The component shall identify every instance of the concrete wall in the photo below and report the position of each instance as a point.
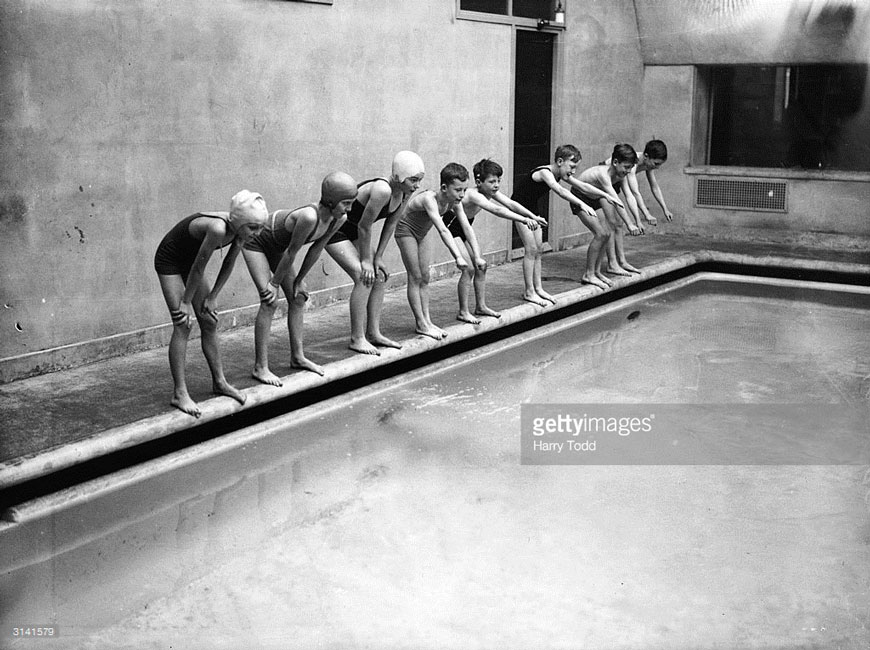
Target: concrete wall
(118, 119)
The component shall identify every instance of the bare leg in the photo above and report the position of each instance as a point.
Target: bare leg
(173, 290)
(208, 326)
(408, 248)
(468, 275)
(480, 308)
(539, 287)
(599, 239)
(619, 249)
(374, 309)
(424, 257)
(258, 266)
(614, 223)
(295, 328)
(531, 255)
(347, 256)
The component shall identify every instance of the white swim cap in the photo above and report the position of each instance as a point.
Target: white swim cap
(407, 164)
(247, 207)
(337, 187)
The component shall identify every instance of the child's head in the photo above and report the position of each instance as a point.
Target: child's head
(337, 192)
(624, 153)
(487, 175)
(567, 157)
(454, 180)
(567, 152)
(248, 214)
(408, 170)
(656, 150)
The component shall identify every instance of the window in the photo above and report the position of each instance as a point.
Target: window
(550, 11)
(796, 117)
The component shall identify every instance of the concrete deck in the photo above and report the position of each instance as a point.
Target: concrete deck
(64, 418)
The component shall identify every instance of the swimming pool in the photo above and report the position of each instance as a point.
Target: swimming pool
(401, 516)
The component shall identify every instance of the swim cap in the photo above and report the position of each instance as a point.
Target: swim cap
(247, 207)
(337, 187)
(407, 164)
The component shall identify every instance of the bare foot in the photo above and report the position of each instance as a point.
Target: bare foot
(486, 311)
(604, 279)
(594, 281)
(546, 296)
(443, 332)
(266, 376)
(223, 388)
(628, 267)
(465, 317)
(383, 341)
(535, 299)
(363, 347)
(185, 404)
(617, 270)
(303, 363)
(433, 332)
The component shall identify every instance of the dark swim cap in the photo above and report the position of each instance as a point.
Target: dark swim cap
(337, 187)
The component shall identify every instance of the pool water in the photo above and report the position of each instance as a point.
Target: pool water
(400, 515)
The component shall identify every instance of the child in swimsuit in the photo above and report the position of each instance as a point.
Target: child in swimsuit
(598, 187)
(485, 196)
(529, 190)
(351, 247)
(180, 262)
(655, 153)
(424, 209)
(271, 257)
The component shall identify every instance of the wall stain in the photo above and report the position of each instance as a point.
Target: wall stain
(13, 209)
(81, 234)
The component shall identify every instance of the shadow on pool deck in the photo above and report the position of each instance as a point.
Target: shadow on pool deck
(72, 415)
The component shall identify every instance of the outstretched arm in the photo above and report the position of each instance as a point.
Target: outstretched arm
(632, 198)
(502, 206)
(657, 193)
(547, 177)
(587, 188)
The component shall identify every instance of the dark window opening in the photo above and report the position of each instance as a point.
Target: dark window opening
(798, 117)
(518, 8)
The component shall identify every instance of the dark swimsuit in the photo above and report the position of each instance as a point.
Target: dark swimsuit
(453, 225)
(178, 249)
(529, 192)
(349, 231)
(275, 238)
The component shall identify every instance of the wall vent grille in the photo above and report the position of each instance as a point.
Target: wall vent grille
(730, 194)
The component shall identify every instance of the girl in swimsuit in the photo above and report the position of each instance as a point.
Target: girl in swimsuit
(271, 256)
(180, 262)
(379, 199)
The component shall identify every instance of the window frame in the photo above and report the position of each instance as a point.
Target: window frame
(508, 19)
(700, 151)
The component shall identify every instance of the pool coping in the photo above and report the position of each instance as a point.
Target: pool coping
(40, 464)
